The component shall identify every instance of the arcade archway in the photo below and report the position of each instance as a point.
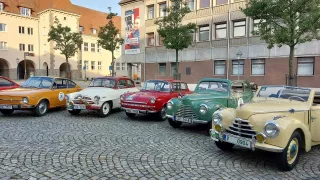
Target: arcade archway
(4, 68)
(30, 70)
(46, 69)
(64, 69)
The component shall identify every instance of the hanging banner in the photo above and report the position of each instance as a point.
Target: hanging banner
(132, 38)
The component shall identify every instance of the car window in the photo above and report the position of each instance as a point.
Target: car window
(176, 86)
(71, 84)
(4, 82)
(122, 83)
(130, 83)
(60, 84)
(183, 86)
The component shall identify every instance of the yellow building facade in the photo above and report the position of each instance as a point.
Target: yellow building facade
(24, 47)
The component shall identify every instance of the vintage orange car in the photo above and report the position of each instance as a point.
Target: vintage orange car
(38, 94)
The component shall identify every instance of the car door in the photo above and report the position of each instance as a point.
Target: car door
(175, 89)
(121, 88)
(59, 92)
(72, 87)
(314, 120)
(131, 86)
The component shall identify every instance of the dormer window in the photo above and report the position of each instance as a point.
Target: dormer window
(94, 31)
(1, 6)
(81, 28)
(25, 11)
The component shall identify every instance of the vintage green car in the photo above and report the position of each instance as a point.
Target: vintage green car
(210, 95)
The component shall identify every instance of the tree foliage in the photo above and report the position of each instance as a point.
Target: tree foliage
(285, 22)
(175, 34)
(66, 41)
(109, 37)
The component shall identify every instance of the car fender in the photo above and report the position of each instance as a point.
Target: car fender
(287, 126)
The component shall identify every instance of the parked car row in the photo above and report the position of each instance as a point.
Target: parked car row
(279, 119)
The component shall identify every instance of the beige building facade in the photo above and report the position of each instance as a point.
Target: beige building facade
(223, 46)
(24, 29)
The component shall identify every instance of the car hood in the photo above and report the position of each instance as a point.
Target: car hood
(93, 91)
(143, 96)
(202, 97)
(269, 106)
(23, 92)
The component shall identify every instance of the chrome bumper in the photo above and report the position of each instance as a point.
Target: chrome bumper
(140, 111)
(256, 145)
(195, 121)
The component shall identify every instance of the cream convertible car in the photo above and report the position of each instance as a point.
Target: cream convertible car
(280, 119)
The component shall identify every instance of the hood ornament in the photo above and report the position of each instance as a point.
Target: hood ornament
(292, 110)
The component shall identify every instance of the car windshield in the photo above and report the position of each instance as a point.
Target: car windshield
(285, 92)
(213, 86)
(38, 82)
(103, 82)
(161, 86)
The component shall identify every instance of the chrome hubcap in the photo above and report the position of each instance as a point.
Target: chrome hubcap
(163, 113)
(42, 108)
(293, 150)
(106, 108)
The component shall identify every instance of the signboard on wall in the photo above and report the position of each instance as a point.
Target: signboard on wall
(132, 30)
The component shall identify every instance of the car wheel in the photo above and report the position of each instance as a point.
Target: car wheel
(288, 159)
(41, 109)
(162, 115)
(74, 112)
(105, 109)
(130, 115)
(7, 112)
(224, 146)
(174, 124)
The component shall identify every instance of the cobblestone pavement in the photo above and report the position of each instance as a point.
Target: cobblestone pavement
(61, 146)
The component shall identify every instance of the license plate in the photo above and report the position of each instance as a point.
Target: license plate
(237, 141)
(186, 120)
(133, 111)
(82, 106)
(5, 107)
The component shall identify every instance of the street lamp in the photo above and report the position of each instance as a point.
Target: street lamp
(18, 60)
(239, 54)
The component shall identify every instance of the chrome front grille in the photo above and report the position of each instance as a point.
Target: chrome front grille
(186, 112)
(242, 128)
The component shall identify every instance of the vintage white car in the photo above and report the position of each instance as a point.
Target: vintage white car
(102, 95)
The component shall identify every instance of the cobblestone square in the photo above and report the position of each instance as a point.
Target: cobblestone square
(61, 146)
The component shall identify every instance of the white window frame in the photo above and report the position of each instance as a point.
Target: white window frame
(30, 48)
(162, 9)
(258, 63)
(162, 65)
(21, 30)
(204, 29)
(123, 66)
(149, 40)
(81, 28)
(3, 45)
(255, 25)
(303, 62)
(206, 6)
(219, 27)
(99, 65)
(191, 3)
(219, 63)
(30, 30)
(235, 63)
(218, 4)
(98, 48)
(22, 47)
(93, 65)
(150, 10)
(85, 46)
(236, 26)
(93, 47)
(3, 27)
(94, 31)
(172, 68)
(25, 11)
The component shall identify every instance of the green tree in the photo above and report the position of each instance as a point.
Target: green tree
(66, 41)
(109, 37)
(286, 22)
(176, 35)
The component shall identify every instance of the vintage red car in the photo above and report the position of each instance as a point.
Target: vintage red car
(6, 83)
(153, 97)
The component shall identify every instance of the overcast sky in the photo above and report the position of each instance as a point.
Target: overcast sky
(100, 5)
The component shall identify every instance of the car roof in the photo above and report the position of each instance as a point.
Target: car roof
(168, 80)
(216, 79)
(113, 77)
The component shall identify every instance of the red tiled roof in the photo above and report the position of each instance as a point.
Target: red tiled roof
(89, 18)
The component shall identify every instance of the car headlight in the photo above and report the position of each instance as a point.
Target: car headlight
(170, 105)
(216, 118)
(203, 109)
(153, 100)
(271, 129)
(97, 98)
(25, 100)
